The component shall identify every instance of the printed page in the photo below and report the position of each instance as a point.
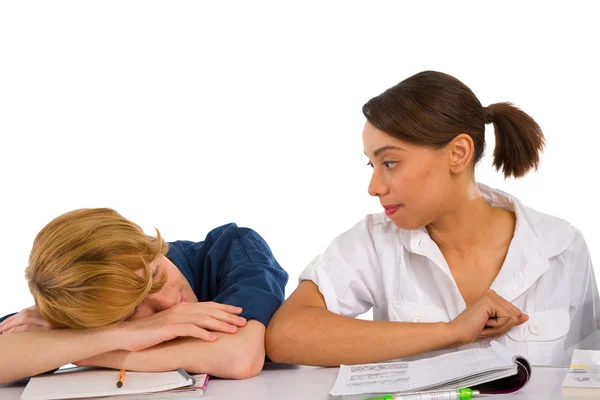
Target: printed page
(396, 377)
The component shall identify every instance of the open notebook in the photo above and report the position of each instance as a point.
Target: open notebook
(492, 370)
(87, 383)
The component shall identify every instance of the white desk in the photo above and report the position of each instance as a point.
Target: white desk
(286, 382)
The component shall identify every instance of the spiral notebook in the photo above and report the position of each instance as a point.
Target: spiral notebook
(77, 383)
(492, 370)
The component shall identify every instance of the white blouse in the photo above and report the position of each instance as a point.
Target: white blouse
(403, 276)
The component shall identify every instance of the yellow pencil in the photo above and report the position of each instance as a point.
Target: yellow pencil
(121, 376)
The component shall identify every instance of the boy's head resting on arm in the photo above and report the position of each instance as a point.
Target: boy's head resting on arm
(92, 267)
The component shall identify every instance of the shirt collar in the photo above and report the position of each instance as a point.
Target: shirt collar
(525, 260)
(537, 238)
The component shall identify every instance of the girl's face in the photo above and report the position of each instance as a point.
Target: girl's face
(413, 182)
(175, 290)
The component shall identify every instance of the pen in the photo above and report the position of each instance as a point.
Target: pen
(460, 394)
(120, 380)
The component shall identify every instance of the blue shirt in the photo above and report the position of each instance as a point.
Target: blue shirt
(232, 266)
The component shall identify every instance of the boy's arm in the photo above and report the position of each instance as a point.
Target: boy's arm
(251, 277)
(31, 353)
(236, 356)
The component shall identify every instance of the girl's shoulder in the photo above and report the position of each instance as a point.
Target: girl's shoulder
(555, 235)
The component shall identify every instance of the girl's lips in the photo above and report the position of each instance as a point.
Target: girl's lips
(389, 210)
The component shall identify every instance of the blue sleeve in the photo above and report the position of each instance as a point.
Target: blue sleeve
(251, 277)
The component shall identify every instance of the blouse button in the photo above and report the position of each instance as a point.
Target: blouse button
(535, 328)
(417, 318)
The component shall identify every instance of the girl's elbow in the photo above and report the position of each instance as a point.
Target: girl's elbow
(278, 341)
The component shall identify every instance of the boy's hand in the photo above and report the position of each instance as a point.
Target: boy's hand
(28, 320)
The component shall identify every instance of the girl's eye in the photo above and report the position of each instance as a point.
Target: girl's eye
(386, 164)
(155, 274)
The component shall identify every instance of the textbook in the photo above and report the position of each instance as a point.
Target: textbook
(77, 383)
(492, 370)
(583, 378)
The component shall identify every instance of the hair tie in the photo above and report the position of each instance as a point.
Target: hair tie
(489, 116)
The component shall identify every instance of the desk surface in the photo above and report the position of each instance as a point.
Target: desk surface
(288, 382)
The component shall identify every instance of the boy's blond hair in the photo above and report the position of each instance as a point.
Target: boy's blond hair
(82, 268)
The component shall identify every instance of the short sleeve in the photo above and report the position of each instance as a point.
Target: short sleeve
(347, 273)
(251, 276)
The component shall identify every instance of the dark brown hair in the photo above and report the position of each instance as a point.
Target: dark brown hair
(432, 108)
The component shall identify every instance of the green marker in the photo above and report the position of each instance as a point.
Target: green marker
(460, 394)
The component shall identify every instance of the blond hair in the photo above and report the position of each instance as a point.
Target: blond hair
(82, 268)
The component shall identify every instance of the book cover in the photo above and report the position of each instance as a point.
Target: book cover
(583, 377)
(101, 382)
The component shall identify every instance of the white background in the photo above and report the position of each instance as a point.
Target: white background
(188, 115)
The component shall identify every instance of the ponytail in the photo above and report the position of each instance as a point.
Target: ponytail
(519, 139)
(432, 108)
